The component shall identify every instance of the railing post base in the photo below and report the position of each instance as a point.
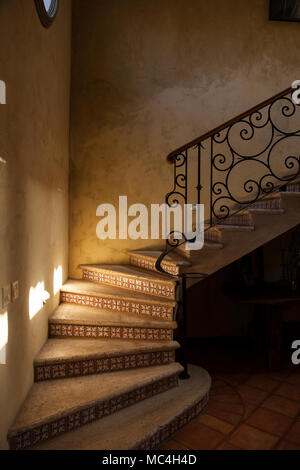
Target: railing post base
(184, 375)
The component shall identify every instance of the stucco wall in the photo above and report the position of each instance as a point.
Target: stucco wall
(34, 139)
(148, 76)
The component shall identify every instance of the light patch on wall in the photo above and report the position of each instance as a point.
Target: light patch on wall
(37, 297)
(3, 337)
(57, 279)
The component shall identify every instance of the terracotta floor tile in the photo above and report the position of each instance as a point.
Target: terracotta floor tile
(173, 445)
(196, 436)
(294, 434)
(221, 390)
(248, 410)
(233, 379)
(282, 405)
(270, 421)
(285, 445)
(262, 382)
(215, 423)
(227, 398)
(293, 379)
(227, 446)
(248, 438)
(231, 418)
(251, 394)
(236, 408)
(278, 375)
(290, 391)
(230, 412)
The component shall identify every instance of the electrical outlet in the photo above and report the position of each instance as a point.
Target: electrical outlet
(15, 291)
(6, 296)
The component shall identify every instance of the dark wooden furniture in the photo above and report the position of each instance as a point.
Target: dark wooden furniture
(269, 303)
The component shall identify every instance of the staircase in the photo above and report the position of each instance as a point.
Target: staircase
(247, 230)
(107, 376)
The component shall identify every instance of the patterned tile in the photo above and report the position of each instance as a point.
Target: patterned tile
(148, 263)
(157, 288)
(111, 304)
(91, 413)
(110, 332)
(98, 366)
(168, 431)
(243, 219)
(272, 203)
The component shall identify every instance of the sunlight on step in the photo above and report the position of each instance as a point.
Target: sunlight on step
(57, 280)
(37, 297)
(3, 337)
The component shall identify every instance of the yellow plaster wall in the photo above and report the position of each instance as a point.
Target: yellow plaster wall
(34, 139)
(148, 76)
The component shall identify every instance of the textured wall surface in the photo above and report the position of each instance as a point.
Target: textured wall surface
(34, 139)
(149, 76)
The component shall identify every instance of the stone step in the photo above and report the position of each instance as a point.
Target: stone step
(114, 299)
(146, 259)
(62, 358)
(58, 406)
(131, 278)
(144, 426)
(76, 321)
(235, 228)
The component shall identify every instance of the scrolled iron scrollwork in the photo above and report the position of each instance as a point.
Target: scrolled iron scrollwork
(271, 163)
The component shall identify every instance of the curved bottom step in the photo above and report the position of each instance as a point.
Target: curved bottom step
(145, 425)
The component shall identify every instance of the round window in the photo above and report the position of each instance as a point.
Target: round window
(47, 10)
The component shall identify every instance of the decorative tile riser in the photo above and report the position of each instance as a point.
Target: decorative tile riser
(135, 285)
(211, 235)
(69, 369)
(293, 188)
(166, 432)
(110, 304)
(91, 413)
(150, 265)
(108, 332)
(274, 203)
(238, 219)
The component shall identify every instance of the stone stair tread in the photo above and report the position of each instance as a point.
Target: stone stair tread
(58, 398)
(130, 271)
(212, 245)
(290, 194)
(208, 245)
(80, 287)
(131, 426)
(171, 258)
(69, 349)
(82, 315)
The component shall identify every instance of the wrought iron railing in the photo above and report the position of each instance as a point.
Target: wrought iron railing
(231, 167)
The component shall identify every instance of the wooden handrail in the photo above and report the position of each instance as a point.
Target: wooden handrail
(171, 157)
